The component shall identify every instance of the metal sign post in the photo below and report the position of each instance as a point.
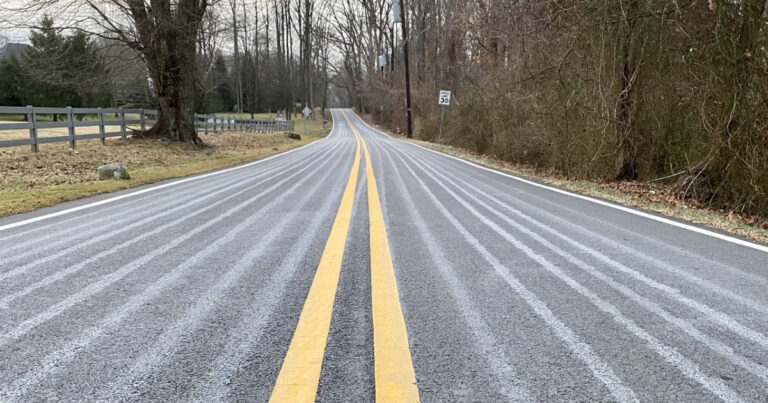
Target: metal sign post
(307, 113)
(444, 100)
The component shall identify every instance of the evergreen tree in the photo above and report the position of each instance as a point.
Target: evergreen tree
(10, 73)
(64, 70)
(222, 84)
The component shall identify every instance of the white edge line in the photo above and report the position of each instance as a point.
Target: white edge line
(688, 227)
(154, 188)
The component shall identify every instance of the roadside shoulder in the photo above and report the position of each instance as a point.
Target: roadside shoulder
(654, 199)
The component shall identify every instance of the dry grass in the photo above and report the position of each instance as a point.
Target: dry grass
(650, 197)
(61, 131)
(32, 180)
(257, 116)
(314, 126)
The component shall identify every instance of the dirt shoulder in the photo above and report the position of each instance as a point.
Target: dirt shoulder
(647, 196)
(29, 181)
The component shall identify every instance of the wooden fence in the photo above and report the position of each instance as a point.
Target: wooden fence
(111, 122)
(215, 124)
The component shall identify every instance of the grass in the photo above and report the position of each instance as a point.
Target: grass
(41, 117)
(257, 116)
(29, 181)
(655, 198)
(650, 197)
(314, 127)
(54, 132)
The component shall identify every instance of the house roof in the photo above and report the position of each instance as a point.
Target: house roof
(13, 50)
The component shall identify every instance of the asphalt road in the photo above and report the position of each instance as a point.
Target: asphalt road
(294, 278)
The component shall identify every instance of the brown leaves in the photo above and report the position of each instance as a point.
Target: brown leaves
(669, 196)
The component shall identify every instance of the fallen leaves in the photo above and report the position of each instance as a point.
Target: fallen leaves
(664, 199)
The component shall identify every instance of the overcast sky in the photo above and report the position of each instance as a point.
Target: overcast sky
(9, 18)
(16, 16)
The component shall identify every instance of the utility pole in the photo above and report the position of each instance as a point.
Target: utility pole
(409, 132)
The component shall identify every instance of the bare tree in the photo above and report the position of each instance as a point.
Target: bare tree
(237, 63)
(163, 32)
(617, 90)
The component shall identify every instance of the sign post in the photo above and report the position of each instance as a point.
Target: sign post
(307, 113)
(444, 100)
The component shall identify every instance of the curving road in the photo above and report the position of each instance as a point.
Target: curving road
(296, 279)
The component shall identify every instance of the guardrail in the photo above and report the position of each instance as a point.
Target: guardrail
(215, 124)
(123, 118)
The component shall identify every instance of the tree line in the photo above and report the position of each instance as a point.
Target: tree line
(195, 56)
(652, 90)
(55, 70)
(278, 57)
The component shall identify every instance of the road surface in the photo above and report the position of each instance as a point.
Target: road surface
(295, 279)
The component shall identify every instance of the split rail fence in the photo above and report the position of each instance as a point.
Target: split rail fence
(111, 122)
(215, 124)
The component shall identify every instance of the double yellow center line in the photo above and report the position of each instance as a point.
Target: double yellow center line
(393, 367)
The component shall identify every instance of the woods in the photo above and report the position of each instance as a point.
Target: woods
(648, 90)
(279, 60)
(204, 56)
(622, 90)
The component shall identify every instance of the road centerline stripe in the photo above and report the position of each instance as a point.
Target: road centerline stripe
(300, 373)
(395, 378)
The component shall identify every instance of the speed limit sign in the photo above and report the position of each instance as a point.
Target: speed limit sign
(445, 98)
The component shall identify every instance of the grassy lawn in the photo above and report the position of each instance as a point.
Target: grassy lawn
(314, 126)
(49, 118)
(61, 131)
(32, 180)
(257, 116)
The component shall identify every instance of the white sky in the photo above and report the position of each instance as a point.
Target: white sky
(16, 16)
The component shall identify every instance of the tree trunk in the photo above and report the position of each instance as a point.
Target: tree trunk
(176, 100)
(238, 76)
(307, 56)
(406, 40)
(183, 102)
(168, 46)
(627, 158)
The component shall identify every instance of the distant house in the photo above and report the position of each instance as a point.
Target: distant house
(13, 50)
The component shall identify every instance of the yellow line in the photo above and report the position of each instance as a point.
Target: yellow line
(394, 374)
(300, 373)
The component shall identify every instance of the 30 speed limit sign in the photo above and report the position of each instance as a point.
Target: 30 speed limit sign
(445, 98)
